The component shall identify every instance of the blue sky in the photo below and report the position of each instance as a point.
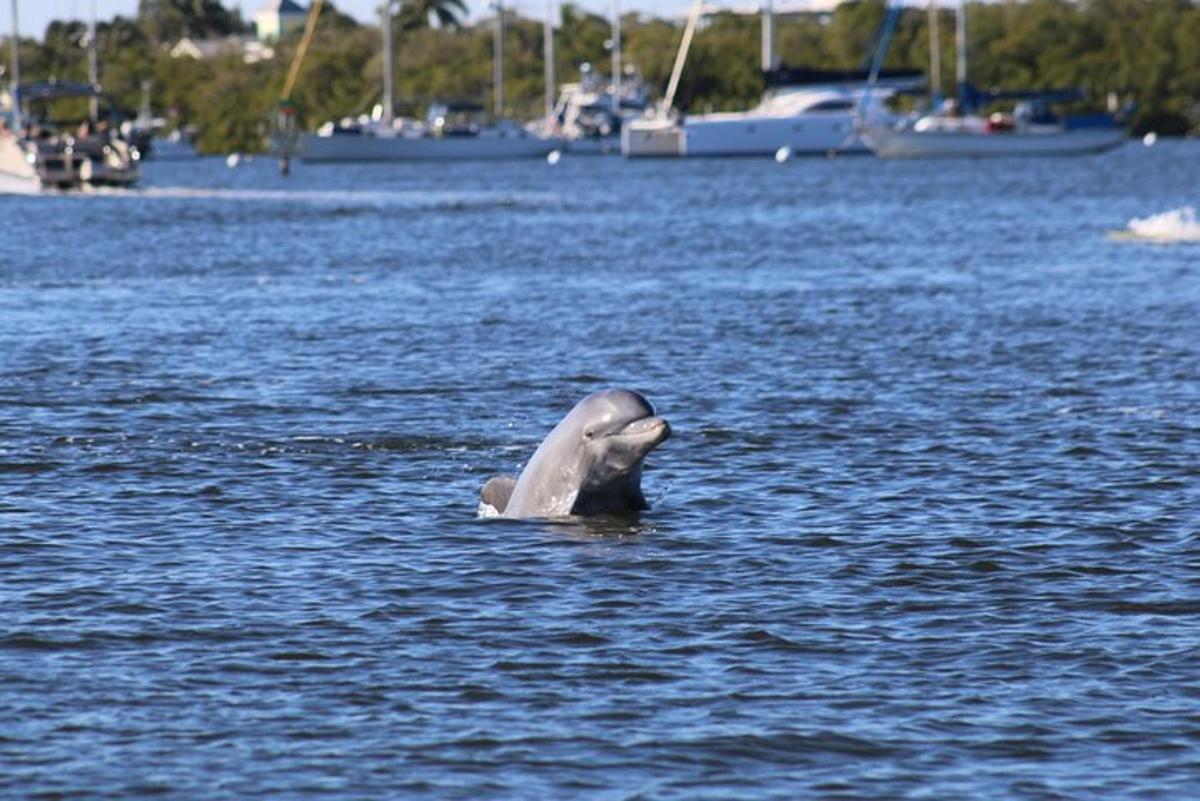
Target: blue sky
(36, 14)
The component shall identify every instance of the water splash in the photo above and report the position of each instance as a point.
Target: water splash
(1177, 225)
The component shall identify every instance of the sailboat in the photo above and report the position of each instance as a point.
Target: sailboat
(451, 132)
(806, 111)
(955, 129)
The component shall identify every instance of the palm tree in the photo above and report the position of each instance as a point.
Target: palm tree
(414, 14)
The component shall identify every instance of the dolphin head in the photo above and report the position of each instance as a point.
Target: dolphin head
(591, 463)
(615, 428)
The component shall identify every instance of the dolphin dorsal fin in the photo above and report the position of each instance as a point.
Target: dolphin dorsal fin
(495, 494)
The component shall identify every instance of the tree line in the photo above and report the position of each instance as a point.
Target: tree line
(1146, 51)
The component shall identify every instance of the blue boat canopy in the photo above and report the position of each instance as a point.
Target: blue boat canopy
(52, 90)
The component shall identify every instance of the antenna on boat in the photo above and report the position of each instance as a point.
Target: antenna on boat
(935, 55)
(16, 70)
(385, 30)
(93, 66)
(768, 36)
(616, 58)
(498, 61)
(960, 46)
(285, 112)
(548, 56)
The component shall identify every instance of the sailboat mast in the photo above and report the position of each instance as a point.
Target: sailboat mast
(616, 58)
(498, 61)
(16, 70)
(548, 56)
(93, 65)
(768, 36)
(389, 100)
(935, 53)
(960, 46)
(689, 31)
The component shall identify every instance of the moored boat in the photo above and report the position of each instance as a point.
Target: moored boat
(450, 133)
(803, 111)
(974, 136)
(49, 148)
(957, 128)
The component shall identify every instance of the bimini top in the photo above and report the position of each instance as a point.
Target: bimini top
(52, 90)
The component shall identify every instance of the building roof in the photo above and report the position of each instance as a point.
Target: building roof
(282, 7)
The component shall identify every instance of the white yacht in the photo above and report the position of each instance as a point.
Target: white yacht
(806, 111)
(817, 116)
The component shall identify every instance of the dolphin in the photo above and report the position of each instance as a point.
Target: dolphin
(591, 463)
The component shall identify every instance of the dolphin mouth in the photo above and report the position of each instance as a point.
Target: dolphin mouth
(653, 430)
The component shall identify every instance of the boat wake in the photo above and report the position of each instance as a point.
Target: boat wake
(416, 200)
(1177, 225)
(412, 199)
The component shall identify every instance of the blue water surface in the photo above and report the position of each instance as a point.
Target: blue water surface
(929, 525)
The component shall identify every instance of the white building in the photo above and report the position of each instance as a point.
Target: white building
(278, 18)
(248, 48)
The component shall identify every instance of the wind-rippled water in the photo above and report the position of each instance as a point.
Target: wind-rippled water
(929, 525)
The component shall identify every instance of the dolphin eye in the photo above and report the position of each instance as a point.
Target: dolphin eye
(590, 433)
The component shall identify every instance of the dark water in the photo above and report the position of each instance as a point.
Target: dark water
(929, 525)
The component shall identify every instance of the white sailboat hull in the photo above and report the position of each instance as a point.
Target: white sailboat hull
(358, 147)
(890, 143)
(652, 138)
(731, 135)
(14, 165)
(750, 135)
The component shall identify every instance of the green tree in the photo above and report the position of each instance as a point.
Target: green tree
(412, 15)
(167, 21)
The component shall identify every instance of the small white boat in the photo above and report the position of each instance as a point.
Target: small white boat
(587, 117)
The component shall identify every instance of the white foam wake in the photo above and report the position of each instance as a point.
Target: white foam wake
(1177, 225)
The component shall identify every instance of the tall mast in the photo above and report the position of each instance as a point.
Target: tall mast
(498, 61)
(548, 56)
(616, 57)
(93, 65)
(935, 53)
(389, 100)
(960, 46)
(685, 44)
(16, 70)
(768, 36)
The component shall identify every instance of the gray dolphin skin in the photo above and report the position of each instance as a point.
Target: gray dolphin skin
(591, 463)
